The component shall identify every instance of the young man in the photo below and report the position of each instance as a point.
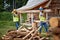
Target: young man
(16, 19)
(43, 22)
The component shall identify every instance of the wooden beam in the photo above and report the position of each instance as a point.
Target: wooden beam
(34, 11)
(28, 34)
(29, 11)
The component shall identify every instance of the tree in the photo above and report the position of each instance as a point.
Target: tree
(1, 5)
(9, 4)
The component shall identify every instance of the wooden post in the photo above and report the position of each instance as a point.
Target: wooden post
(46, 16)
(55, 11)
(20, 18)
(59, 12)
(32, 18)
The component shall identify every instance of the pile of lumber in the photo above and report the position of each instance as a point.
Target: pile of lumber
(14, 34)
(23, 34)
(55, 28)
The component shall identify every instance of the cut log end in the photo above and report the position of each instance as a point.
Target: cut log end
(54, 22)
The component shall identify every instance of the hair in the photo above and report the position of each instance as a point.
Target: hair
(15, 12)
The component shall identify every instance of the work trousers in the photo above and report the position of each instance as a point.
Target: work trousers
(45, 25)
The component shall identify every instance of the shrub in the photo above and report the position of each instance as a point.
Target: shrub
(5, 16)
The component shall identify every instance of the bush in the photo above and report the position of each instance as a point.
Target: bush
(5, 16)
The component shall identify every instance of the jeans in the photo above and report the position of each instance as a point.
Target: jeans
(45, 25)
(17, 25)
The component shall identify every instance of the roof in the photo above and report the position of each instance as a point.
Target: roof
(31, 4)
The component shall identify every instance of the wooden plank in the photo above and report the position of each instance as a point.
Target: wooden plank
(18, 39)
(28, 34)
(34, 33)
(29, 11)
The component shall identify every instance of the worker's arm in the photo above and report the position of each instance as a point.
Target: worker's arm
(39, 15)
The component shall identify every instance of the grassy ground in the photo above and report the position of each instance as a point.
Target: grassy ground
(5, 26)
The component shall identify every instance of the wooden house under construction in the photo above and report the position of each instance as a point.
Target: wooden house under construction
(51, 8)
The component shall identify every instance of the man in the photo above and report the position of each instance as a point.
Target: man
(16, 19)
(43, 21)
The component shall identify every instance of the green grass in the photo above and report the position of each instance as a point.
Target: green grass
(5, 26)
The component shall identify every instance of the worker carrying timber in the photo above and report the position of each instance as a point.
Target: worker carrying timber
(16, 18)
(43, 21)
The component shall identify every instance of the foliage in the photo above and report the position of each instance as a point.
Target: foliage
(1, 5)
(24, 17)
(17, 4)
(4, 16)
(21, 3)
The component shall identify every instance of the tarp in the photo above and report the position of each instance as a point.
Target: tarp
(31, 4)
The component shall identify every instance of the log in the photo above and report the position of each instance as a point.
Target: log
(24, 30)
(56, 33)
(22, 33)
(34, 25)
(18, 39)
(7, 38)
(36, 32)
(55, 30)
(36, 38)
(12, 33)
(56, 37)
(20, 28)
(54, 22)
(28, 34)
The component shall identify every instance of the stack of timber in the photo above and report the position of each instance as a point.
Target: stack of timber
(14, 35)
(23, 34)
(55, 27)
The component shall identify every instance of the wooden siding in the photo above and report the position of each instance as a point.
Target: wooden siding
(55, 6)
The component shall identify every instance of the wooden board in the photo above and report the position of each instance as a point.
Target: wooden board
(18, 39)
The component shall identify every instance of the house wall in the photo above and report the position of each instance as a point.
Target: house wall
(55, 6)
